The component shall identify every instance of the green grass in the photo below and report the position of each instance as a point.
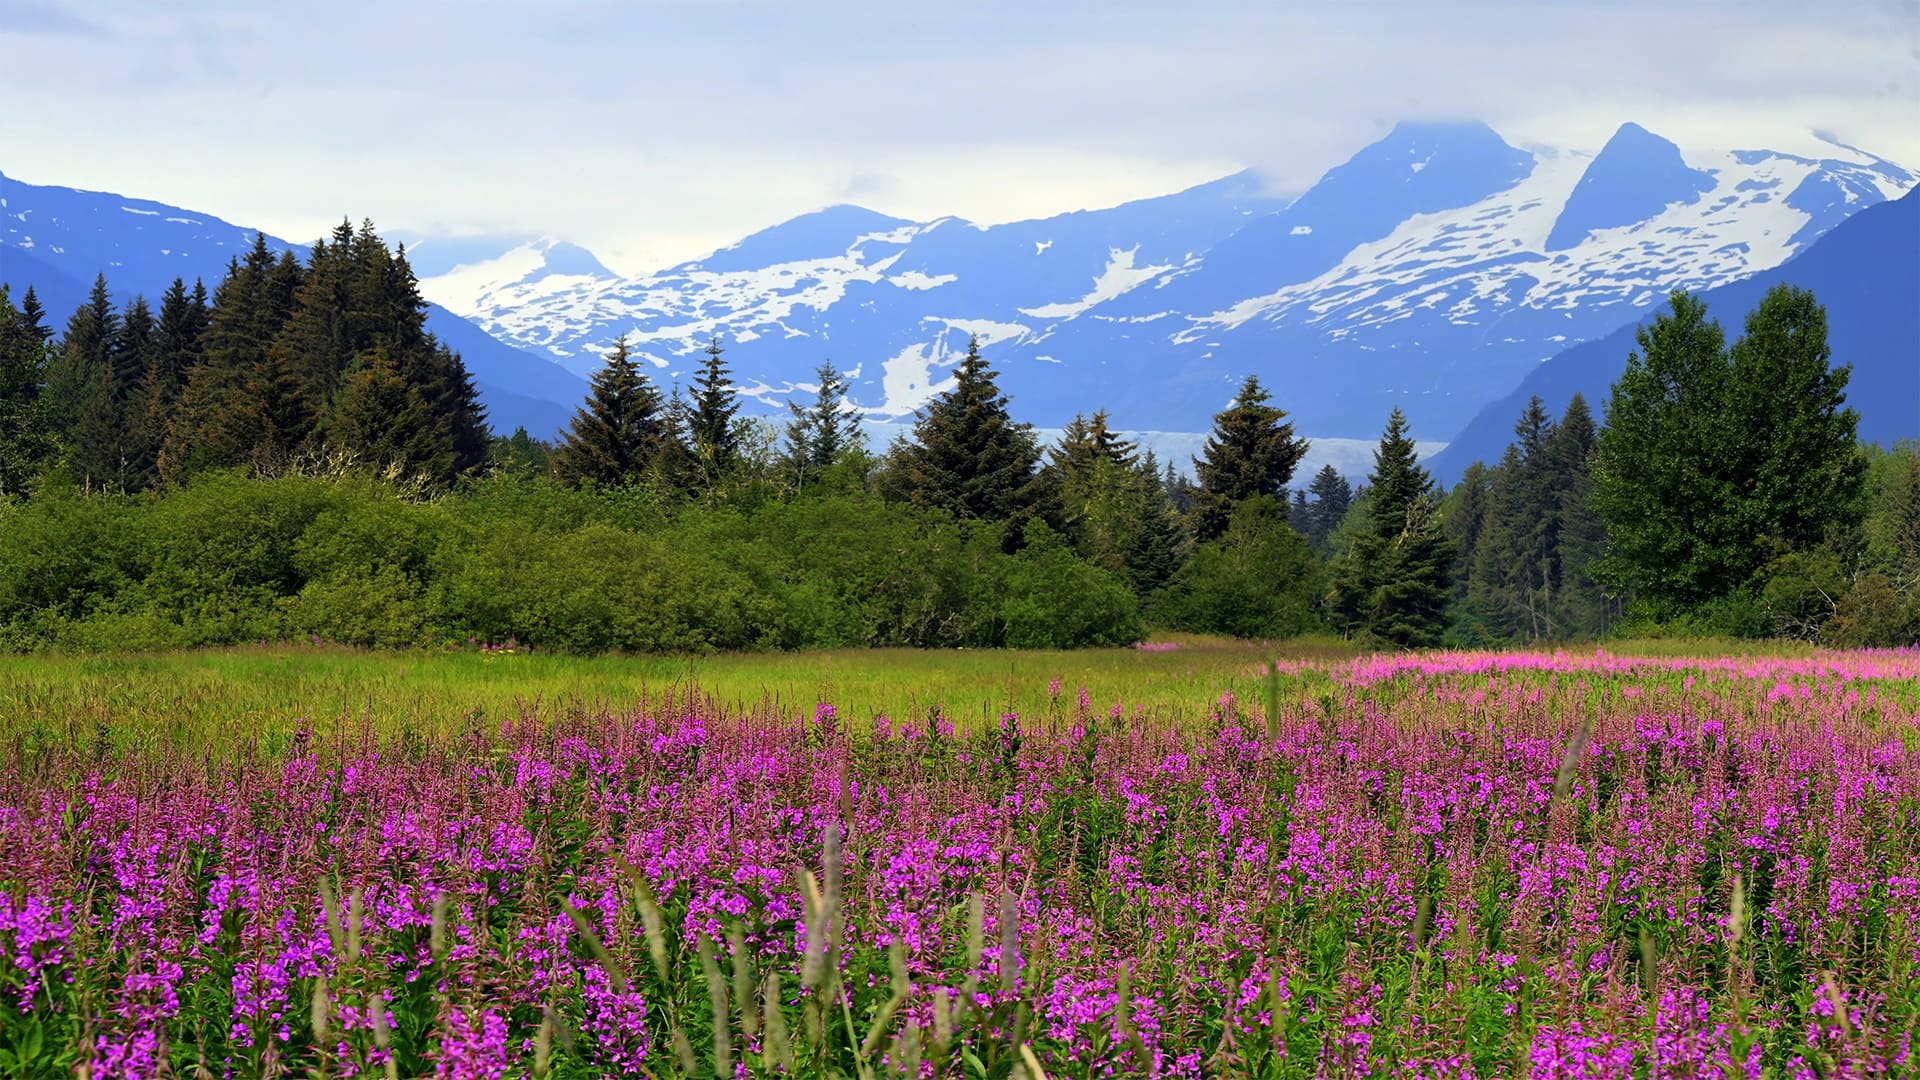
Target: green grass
(219, 695)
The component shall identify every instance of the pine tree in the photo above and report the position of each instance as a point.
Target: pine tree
(1712, 464)
(1465, 516)
(1393, 582)
(817, 438)
(385, 422)
(1251, 452)
(1332, 495)
(710, 421)
(85, 350)
(1582, 609)
(967, 456)
(223, 418)
(25, 445)
(1156, 547)
(618, 434)
(34, 317)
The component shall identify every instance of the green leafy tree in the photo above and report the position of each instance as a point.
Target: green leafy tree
(1392, 584)
(967, 456)
(618, 433)
(1258, 579)
(1251, 452)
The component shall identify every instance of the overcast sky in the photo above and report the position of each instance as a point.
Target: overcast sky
(654, 132)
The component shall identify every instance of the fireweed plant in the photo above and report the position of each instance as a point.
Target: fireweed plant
(1440, 865)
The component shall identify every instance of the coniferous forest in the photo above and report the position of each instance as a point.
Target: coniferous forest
(292, 454)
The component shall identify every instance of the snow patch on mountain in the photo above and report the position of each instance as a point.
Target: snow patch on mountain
(1119, 276)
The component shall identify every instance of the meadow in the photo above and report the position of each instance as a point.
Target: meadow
(1197, 860)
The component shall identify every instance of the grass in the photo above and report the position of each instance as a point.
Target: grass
(213, 695)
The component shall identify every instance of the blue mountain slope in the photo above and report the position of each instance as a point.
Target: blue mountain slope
(1867, 274)
(1418, 274)
(57, 239)
(1635, 176)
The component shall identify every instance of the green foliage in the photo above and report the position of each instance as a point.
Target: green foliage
(25, 442)
(1251, 452)
(1259, 579)
(1046, 598)
(1715, 461)
(231, 558)
(617, 436)
(710, 420)
(1392, 583)
(1317, 520)
(967, 456)
(826, 435)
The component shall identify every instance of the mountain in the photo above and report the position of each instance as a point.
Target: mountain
(1867, 274)
(57, 239)
(1432, 271)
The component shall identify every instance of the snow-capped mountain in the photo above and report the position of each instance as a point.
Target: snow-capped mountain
(1866, 273)
(1432, 271)
(58, 239)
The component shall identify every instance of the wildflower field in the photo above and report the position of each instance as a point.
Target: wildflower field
(1451, 865)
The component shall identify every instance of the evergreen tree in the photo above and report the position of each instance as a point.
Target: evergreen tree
(1796, 465)
(1251, 452)
(1155, 548)
(181, 336)
(1465, 517)
(710, 421)
(220, 421)
(1711, 464)
(967, 455)
(618, 434)
(34, 317)
(1582, 609)
(818, 437)
(86, 349)
(25, 445)
(1515, 570)
(384, 421)
(1393, 582)
(135, 349)
(1332, 495)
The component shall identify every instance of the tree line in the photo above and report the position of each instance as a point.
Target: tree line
(1721, 492)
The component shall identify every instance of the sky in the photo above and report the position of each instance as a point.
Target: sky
(654, 133)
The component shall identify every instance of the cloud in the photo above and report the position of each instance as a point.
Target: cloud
(653, 132)
(44, 19)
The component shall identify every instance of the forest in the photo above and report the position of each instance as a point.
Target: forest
(295, 456)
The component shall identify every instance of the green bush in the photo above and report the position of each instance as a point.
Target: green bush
(1260, 579)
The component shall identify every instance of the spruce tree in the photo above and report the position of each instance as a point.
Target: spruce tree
(34, 317)
(25, 445)
(967, 456)
(1393, 582)
(1332, 495)
(1582, 608)
(1251, 452)
(1102, 493)
(710, 421)
(222, 417)
(1712, 464)
(85, 350)
(1466, 515)
(618, 434)
(1156, 547)
(818, 437)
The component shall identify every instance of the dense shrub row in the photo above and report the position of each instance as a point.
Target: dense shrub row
(232, 559)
